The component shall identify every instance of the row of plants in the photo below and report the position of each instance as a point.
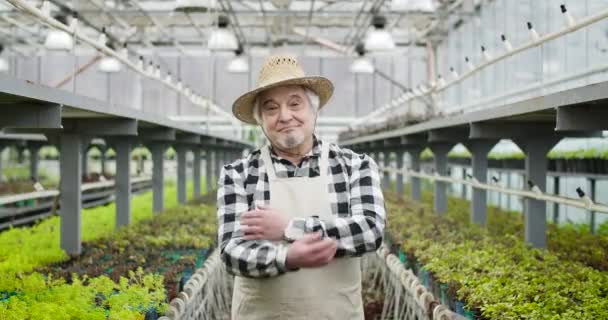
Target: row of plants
(492, 271)
(52, 153)
(114, 278)
(585, 161)
(17, 179)
(573, 242)
(590, 153)
(25, 185)
(21, 173)
(23, 249)
(179, 238)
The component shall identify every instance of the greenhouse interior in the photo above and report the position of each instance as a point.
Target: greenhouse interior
(212, 159)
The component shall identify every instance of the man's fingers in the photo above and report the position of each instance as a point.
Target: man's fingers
(252, 229)
(321, 246)
(311, 237)
(249, 213)
(326, 255)
(255, 236)
(251, 218)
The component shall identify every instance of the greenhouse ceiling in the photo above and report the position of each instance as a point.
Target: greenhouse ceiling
(188, 26)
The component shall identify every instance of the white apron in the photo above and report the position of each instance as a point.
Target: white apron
(330, 292)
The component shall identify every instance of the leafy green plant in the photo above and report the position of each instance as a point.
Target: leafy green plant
(492, 269)
(75, 294)
(22, 249)
(85, 298)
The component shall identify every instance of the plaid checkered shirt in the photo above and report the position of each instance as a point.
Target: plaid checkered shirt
(356, 202)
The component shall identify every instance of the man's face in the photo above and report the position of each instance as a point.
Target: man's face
(287, 117)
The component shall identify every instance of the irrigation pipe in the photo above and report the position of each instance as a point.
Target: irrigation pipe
(438, 87)
(587, 203)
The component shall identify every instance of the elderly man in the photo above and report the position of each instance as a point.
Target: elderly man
(296, 215)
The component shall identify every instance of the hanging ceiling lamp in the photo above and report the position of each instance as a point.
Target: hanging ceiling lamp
(222, 39)
(109, 64)
(57, 39)
(379, 39)
(413, 5)
(4, 65)
(193, 6)
(239, 63)
(361, 65)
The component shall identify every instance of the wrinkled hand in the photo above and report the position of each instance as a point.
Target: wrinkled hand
(311, 251)
(263, 224)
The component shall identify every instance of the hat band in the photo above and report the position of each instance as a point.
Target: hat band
(278, 74)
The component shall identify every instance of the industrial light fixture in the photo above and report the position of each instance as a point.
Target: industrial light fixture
(379, 39)
(109, 65)
(222, 39)
(361, 65)
(191, 6)
(4, 65)
(58, 39)
(412, 5)
(239, 63)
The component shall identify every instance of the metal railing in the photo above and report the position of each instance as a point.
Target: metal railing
(206, 295)
(405, 296)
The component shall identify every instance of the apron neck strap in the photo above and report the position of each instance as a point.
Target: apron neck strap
(323, 161)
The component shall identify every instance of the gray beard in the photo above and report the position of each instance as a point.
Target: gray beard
(291, 142)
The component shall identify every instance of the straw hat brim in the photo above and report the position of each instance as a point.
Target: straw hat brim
(243, 106)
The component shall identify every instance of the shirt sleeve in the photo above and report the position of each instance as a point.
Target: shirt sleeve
(363, 230)
(247, 258)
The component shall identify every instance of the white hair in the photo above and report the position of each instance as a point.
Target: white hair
(313, 99)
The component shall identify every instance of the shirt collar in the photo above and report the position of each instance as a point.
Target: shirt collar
(314, 152)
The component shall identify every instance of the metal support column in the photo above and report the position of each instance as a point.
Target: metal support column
(34, 150)
(508, 173)
(535, 211)
(102, 158)
(386, 177)
(196, 172)
(20, 150)
(123, 182)
(85, 158)
(219, 156)
(463, 191)
(415, 166)
(209, 169)
(158, 179)
(592, 213)
(399, 182)
(70, 195)
(181, 173)
(440, 152)
(2, 146)
(556, 205)
(479, 204)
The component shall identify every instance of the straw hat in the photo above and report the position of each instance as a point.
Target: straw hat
(280, 70)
